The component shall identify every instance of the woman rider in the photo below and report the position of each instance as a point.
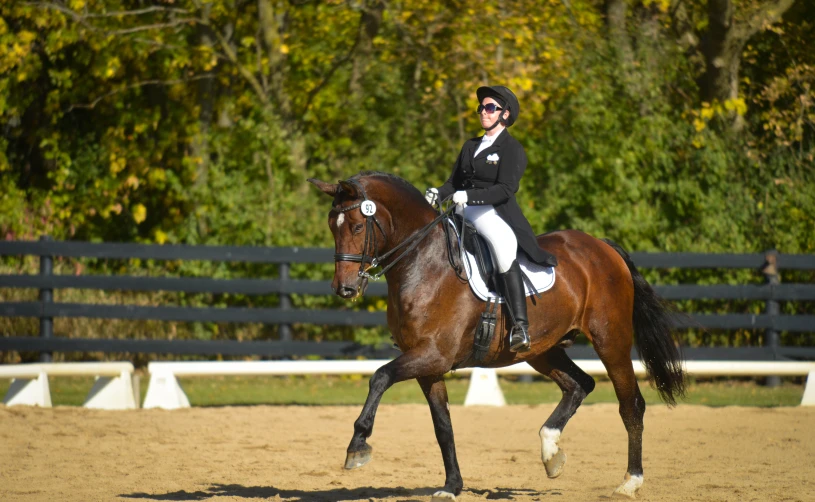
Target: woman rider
(483, 184)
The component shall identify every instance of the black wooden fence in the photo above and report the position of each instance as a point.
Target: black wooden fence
(771, 292)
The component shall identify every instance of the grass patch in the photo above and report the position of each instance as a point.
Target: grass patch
(352, 390)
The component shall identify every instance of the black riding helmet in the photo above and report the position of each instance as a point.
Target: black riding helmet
(505, 98)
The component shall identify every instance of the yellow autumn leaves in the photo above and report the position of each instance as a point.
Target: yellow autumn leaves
(117, 165)
(703, 116)
(139, 213)
(707, 112)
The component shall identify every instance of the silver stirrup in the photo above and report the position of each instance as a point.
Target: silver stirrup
(519, 339)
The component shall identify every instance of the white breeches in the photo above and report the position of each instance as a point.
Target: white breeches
(494, 229)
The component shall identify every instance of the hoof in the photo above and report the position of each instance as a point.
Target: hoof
(357, 459)
(629, 487)
(442, 496)
(554, 466)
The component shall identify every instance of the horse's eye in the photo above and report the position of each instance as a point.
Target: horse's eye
(357, 228)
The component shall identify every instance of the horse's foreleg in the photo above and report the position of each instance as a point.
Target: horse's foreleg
(435, 391)
(412, 364)
(575, 385)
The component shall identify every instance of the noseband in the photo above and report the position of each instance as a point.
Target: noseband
(371, 240)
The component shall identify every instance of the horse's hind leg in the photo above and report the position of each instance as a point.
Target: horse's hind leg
(435, 391)
(616, 356)
(575, 385)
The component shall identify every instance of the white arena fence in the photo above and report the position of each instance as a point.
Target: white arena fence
(116, 387)
(164, 390)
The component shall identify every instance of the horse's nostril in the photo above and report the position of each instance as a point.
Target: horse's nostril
(346, 292)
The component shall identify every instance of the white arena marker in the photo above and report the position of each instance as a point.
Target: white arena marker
(809, 391)
(115, 387)
(29, 392)
(484, 389)
(165, 392)
(113, 393)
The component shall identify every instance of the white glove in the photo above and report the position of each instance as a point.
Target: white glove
(431, 195)
(460, 198)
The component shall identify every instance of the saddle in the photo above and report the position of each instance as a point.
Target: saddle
(480, 250)
(478, 247)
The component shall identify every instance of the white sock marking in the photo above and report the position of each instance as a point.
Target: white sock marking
(441, 494)
(630, 486)
(549, 439)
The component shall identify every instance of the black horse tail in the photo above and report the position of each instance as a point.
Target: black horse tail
(653, 329)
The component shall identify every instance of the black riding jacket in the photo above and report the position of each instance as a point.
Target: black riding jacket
(492, 181)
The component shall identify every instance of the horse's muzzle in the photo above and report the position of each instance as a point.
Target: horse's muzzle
(348, 292)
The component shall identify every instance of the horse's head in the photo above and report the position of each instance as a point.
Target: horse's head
(361, 220)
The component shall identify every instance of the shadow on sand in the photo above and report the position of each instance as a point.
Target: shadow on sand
(332, 495)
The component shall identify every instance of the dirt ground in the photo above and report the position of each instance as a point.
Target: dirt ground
(297, 453)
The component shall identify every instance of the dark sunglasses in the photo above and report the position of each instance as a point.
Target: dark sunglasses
(490, 107)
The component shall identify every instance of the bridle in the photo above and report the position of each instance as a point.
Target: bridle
(370, 235)
(371, 241)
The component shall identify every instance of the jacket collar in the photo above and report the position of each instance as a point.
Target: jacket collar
(502, 136)
(470, 146)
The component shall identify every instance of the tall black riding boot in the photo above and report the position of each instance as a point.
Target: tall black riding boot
(514, 292)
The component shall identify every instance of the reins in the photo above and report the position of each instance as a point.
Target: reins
(408, 244)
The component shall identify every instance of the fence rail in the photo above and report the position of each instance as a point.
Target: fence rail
(780, 292)
(46, 309)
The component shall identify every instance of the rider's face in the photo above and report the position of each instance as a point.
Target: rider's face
(487, 119)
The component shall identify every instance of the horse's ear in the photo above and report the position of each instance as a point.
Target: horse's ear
(327, 188)
(350, 189)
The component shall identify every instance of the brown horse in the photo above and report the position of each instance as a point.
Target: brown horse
(432, 315)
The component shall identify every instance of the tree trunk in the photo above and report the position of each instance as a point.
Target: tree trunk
(722, 52)
(272, 18)
(638, 67)
(206, 101)
(724, 41)
(370, 21)
(616, 11)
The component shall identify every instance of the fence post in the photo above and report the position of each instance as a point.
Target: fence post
(46, 296)
(771, 337)
(285, 302)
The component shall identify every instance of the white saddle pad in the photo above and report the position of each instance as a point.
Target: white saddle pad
(543, 278)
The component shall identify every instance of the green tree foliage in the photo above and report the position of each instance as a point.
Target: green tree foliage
(197, 122)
